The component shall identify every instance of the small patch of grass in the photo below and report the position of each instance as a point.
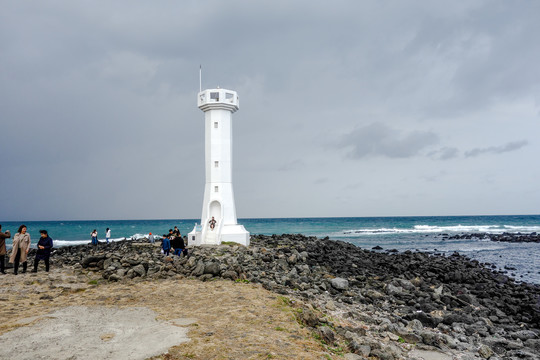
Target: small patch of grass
(337, 350)
(93, 282)
(245, 281)
(331, 326)
(286, 305)
(284, 300)
(230, 243)
(279, 328)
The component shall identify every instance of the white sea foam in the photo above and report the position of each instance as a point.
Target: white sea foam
(134, 237)
(58, 243)
(477, 249)
(531, 228)
(418, 229)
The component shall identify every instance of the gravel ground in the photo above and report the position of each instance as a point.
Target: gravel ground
(65, 315)
(81, 332)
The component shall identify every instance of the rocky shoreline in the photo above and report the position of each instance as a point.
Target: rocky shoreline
(504, 237)
(370, 304)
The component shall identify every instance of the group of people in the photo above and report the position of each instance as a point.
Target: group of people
(173, 241)
(94, 236)
(21, 247)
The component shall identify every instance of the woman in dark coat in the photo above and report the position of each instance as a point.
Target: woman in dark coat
(44, 247)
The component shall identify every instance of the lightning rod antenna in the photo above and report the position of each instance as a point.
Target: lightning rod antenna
(200, 78)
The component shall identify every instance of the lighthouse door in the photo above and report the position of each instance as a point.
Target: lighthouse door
(215, 211)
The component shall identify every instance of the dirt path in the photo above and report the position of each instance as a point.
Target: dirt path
(223, 319)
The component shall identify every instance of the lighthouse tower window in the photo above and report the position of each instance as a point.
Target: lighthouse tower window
(214, 95)
(216, 188)
(216, 163)
(216, 125)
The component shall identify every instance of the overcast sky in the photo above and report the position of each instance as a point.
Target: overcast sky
(347, 108)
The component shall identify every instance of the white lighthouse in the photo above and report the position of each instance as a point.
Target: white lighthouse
(218, 204)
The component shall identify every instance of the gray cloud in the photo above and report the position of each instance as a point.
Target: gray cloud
(511, 146)
(99, 117)
(445, 153)
(379, 140)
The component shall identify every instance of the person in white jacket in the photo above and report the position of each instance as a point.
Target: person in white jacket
(107, 234)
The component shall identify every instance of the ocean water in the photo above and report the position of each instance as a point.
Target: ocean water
(401, 233)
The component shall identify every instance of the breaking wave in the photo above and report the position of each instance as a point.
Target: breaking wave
(430, 229)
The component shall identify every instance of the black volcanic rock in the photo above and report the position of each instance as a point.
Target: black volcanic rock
(452, 294)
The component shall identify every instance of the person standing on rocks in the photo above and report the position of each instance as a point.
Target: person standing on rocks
(184, 245)
(3, 252)
(176, 232)
(44, 247)
(21, 246)
(151, 238)
(107, 234)
(174, 244)
(178, 245)
(93, 235)
(166, 245)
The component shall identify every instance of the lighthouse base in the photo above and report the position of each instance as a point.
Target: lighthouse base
(227, 233)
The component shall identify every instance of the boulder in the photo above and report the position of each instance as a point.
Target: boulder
(308, 317)
(524, 335)
(393, 290)
(229, 274)
(339, 283)
(485, 351)
(199, 269)
(212, 268)
(139, 270)
(92, 259)
(205, 277)
(114, 277)
(327, 335)
(360, 349)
